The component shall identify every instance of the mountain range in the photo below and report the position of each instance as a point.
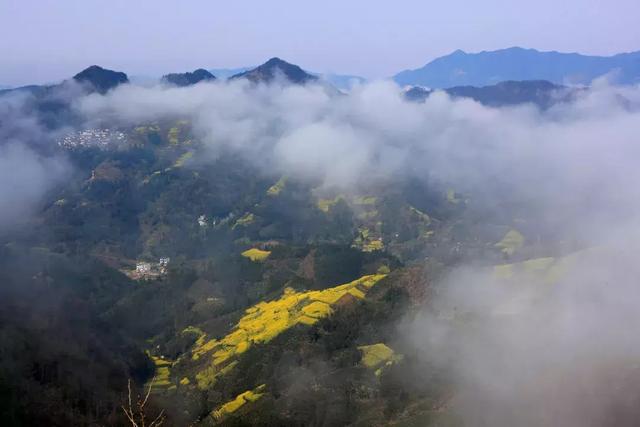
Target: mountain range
(458, 69)
(504, 77)
(491, 67)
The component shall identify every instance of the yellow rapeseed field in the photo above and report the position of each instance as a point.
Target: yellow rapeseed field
(266, 320)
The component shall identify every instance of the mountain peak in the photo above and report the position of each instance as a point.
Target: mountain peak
(275, 61)
(100, 78)
(274, 68)
(517, 49)
(189, 78)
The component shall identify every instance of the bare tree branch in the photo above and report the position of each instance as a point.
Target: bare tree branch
(137, 417)
(129, 416)
(129, 393)
(149, 391)
(159, 420)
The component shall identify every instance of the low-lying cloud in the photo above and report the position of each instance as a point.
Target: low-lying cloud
(569, 155)
(29, 164)
(25, 176)
(528, 352)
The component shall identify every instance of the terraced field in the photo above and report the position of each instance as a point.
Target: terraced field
(241, 400)
(266, 320)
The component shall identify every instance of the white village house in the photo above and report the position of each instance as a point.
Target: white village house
(143, 267)
(148, 269)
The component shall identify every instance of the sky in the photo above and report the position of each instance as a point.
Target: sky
(46, 40)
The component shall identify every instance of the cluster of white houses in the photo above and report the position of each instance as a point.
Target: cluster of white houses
(144, 267)
(92, 138)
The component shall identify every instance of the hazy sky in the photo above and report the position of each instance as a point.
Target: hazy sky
(46, 40)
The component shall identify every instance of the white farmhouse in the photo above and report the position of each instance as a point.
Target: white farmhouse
(143, 267)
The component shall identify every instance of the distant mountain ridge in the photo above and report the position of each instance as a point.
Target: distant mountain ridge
(541, 93)
(189, 78)
(490, 67)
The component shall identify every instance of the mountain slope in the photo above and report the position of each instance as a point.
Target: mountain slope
(276, 68)
(189, 78)
(490, 67)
